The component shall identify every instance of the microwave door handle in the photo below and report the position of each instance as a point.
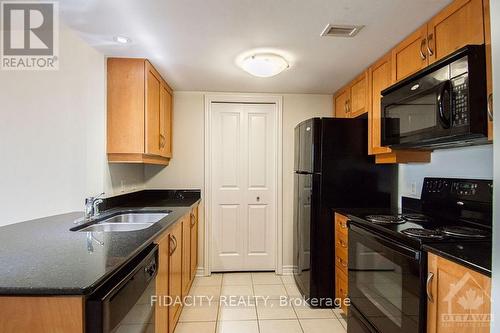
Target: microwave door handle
(444, 104)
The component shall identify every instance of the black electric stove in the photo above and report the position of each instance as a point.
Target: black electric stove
(387, 264)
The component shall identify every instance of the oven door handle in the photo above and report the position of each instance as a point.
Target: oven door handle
(388, 243)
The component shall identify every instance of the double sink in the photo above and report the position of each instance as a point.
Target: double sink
(123, 221)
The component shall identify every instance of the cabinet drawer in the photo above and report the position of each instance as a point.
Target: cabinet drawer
(341, 241)
(341, 288)
(341, 261)
(341, 224)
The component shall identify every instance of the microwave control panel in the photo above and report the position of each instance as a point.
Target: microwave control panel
(460, 101)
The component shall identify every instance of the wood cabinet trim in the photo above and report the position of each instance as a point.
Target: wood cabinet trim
(137, 158)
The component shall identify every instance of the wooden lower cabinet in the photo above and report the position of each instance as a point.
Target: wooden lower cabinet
(458, 298)
(58, 314)
(186, 253)
(161, 311)
(194, 241)
(341, 259)
(175, 273)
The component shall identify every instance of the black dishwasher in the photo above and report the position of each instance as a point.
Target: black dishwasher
(123, 302)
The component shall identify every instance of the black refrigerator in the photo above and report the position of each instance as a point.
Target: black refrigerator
(332, 170)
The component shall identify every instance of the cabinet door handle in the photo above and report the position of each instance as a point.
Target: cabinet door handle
(422, 54)
(173, 244)
(193, 220)
(430, 276)
(162, 141)
(429, 50)
(490, 107)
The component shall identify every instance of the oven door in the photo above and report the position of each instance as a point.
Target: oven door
(420, 111)
(384, 282)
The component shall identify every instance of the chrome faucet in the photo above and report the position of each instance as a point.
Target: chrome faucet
(92, 206)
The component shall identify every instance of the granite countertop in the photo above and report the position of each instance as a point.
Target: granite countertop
(43, 257)
(474, 255)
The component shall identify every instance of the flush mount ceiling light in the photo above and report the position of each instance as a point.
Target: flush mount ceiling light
(122, 39)
(264, 64)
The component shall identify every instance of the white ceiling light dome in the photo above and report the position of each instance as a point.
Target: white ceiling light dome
(122, 39)
(264, 64)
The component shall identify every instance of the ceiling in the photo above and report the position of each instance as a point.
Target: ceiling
(194, 43)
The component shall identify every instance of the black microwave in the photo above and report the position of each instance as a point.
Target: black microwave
(444, 105)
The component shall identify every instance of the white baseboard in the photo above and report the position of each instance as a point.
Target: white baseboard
(200, 271)
(288, 270)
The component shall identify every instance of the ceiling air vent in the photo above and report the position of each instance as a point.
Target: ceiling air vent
(341, 30)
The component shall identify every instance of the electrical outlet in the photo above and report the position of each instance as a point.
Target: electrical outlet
(413, 188)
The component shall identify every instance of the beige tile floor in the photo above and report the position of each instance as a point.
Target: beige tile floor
(262, 316)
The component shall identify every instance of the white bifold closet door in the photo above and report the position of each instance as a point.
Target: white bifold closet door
(243, 172)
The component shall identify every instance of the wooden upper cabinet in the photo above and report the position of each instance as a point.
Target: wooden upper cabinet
(358, 101)
(352, 100)
(340, 100)
(139, 113)
(153, 86)
(454, 291)
(410, 56)
(459, 24)
(165, 122)
(379, 78)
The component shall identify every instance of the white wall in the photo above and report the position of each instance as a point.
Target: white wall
(467, 162)
(52, 136)
(186, 170)
(495, 45)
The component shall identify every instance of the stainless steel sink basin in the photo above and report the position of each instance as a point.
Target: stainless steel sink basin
(135, 218)
(124, 221)
(113, 227)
